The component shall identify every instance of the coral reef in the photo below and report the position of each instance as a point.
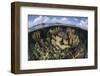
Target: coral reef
(57, 42)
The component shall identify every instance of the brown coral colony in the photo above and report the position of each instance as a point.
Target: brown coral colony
(58, 42)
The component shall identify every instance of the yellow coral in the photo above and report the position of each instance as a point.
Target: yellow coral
(56, 42)
(36, 35)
